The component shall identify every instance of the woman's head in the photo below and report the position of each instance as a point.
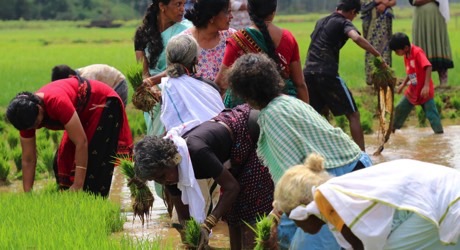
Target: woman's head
(255, 78)
(156, 159)
(171, 10)
(205, 12)
(261, 9)
(181, 54)
(24, 111)
(295, 186)
(148, 34)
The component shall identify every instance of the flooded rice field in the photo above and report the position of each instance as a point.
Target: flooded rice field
(411, 142)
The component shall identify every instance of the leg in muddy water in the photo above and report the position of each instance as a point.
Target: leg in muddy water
(356, 129)
(241, 237)
(402, 110)
(431, 113)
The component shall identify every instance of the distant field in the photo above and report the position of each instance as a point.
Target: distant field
(30, 49)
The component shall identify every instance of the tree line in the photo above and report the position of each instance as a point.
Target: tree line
(126, 9)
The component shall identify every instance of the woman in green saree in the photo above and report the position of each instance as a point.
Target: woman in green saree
(264, 37)
(162, 20)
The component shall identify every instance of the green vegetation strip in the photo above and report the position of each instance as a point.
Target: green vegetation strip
(59, 220)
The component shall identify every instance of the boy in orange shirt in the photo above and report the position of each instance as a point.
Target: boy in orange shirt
(420, 90)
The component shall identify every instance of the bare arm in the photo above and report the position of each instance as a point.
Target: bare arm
(29, 162)
(78, 137)
(221, 79)
(299, 82)
(402, 85)
(139, 56)
(362, 42)
(426, 86)
(231, 189)
(354, 241)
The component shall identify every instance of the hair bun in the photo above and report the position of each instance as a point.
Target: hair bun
(315, 162)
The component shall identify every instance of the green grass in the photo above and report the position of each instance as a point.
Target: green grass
(58, 220)
(31, 49)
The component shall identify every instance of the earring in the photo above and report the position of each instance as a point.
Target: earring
(162, 10)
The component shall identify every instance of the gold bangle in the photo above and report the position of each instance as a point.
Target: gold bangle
(203, 225)
(81, 167)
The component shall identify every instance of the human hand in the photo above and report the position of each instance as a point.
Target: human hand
(76, 187)
(180, 228)
(204, 239)
(425, 91)
(381, 8)
(400, 88)
(272, 241)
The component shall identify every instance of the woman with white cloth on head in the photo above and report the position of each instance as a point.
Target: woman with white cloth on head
(401, 204)
(188, 100)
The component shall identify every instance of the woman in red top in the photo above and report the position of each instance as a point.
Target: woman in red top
(96, 129)
(263, 36)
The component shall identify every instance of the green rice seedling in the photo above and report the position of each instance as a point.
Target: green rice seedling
(262, 231)
(58, 220)
(341, 122)
(46, 156)
(421, 116)
(366, 121)
(4, 169)
(13, 140)
(439, 105)
(455, 102)
(134, 75)
(382, 78)
(192, 233)
(2, 126)
(142, 197)
(16, 154)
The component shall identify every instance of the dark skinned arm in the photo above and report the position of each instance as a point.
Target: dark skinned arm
(231, 190)
(351, 238)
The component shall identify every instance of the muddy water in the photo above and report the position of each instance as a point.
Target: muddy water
(411, 142)
(420, 144)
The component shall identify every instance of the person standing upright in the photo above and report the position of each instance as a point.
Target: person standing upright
(429, 32)
(325, 87)
(377, 16)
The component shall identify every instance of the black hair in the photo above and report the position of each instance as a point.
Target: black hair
(349, 5)
(149, 34)
(61, 72)
(255, 78)
(22, 112)
(205, 10)
(153, 154)
(259, 10)
(399, 41)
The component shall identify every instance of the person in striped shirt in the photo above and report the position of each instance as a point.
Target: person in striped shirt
(290, 130)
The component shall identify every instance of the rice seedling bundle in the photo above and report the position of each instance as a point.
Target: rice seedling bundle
(262, 230)
(192, 233)
(143, 98)
(382, 77)
(142, 197)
